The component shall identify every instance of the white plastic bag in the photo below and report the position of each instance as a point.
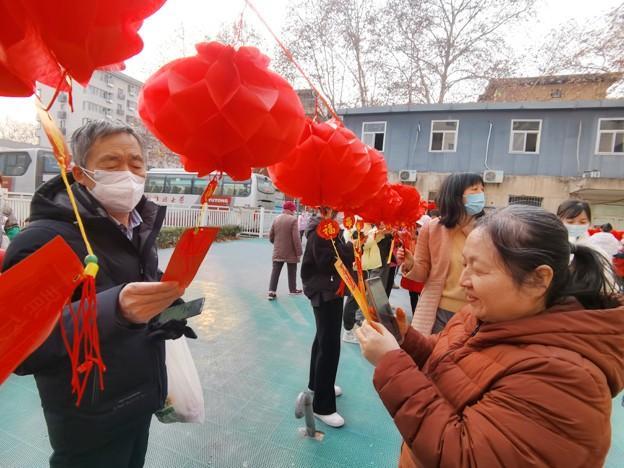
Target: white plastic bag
(185, 400)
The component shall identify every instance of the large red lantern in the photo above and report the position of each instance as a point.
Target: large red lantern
(327, 164)
(223, 110)
(371, 185)
(23, 56)
(41, 40)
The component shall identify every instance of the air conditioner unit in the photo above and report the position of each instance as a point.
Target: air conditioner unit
(408, 176)
(493, 177)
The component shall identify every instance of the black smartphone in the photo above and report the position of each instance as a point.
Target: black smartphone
(182, 311)
(378, 300)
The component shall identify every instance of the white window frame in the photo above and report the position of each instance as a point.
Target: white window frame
(385, 124)
(599, 132)
(454, 150)
(512, 132)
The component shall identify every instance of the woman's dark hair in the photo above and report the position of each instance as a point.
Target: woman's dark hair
(606, 227)
(572, 208)
(450, 199)
(527, 237)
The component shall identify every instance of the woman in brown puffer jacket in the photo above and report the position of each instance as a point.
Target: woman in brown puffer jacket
(525, 373)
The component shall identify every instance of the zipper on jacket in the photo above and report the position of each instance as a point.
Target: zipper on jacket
(476, 330)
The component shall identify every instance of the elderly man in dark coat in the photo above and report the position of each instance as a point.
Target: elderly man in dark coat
(284, 236)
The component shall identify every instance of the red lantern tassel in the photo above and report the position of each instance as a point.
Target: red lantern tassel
(84, 350)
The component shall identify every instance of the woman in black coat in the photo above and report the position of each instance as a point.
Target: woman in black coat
(320, 285)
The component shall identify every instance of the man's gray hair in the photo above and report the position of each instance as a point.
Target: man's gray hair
(83, 139)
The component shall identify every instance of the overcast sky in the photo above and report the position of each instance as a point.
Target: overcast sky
(195, 19)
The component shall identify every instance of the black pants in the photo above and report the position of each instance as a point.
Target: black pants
(325, 355)
(126, 450)
(414, 299)
(292, 276)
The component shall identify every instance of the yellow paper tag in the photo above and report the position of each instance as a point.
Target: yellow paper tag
(357, 293)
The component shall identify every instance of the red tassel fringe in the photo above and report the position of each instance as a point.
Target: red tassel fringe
(84, 351)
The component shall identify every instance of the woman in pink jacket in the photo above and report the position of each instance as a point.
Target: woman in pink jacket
(437, 261)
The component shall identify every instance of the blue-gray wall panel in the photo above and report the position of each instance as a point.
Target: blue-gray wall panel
(407, 148)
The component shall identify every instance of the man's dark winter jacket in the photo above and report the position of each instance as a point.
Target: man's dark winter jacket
(318, 274)
(135, 382)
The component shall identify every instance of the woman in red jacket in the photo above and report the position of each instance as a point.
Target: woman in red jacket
(524, 374)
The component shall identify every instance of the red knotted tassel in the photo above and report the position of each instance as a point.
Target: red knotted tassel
(84, 350)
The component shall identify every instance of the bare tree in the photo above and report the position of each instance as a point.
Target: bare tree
(239, 33)
(336, 43)
(595, 47)
(23, 132)
(446, 47)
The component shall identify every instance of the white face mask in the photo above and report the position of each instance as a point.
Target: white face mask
(117, 191)
(576, 230)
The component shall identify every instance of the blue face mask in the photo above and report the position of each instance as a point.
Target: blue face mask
(576, 230)
(475, 202)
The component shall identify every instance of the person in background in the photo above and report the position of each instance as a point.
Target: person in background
(287, 249)
(388, 260)
(372, 268)
(576, 217)
(10, 224)
(437, 261)
(524, 375)
(606, 240)
(320, 284)
(110, 428)
(302, 222)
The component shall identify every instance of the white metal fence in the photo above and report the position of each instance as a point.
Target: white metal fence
(253, 222)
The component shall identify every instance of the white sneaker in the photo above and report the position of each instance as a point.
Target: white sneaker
(350, 337)
(333, 420)
(337, 390)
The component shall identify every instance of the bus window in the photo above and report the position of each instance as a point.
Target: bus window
(14, 163)
(265, 185)
(199, 185)
(233, 188)
(50, 166)
(155, 183)
(179, 184)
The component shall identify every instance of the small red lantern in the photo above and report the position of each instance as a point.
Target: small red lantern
(411, 207)
(326, 164)
(381, 208)
(223, 109)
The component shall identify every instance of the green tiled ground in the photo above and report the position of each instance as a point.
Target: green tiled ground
(252, 356)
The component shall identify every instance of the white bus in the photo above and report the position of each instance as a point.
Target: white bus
(178, 187)
(24, 170)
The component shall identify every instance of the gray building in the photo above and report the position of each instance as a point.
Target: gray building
(538, 153)
(109, 95)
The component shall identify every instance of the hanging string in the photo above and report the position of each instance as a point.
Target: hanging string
(240, 26)
(65, 78)
(290, 57)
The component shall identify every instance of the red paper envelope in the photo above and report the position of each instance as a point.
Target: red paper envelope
(189, 254)
(32, 294)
